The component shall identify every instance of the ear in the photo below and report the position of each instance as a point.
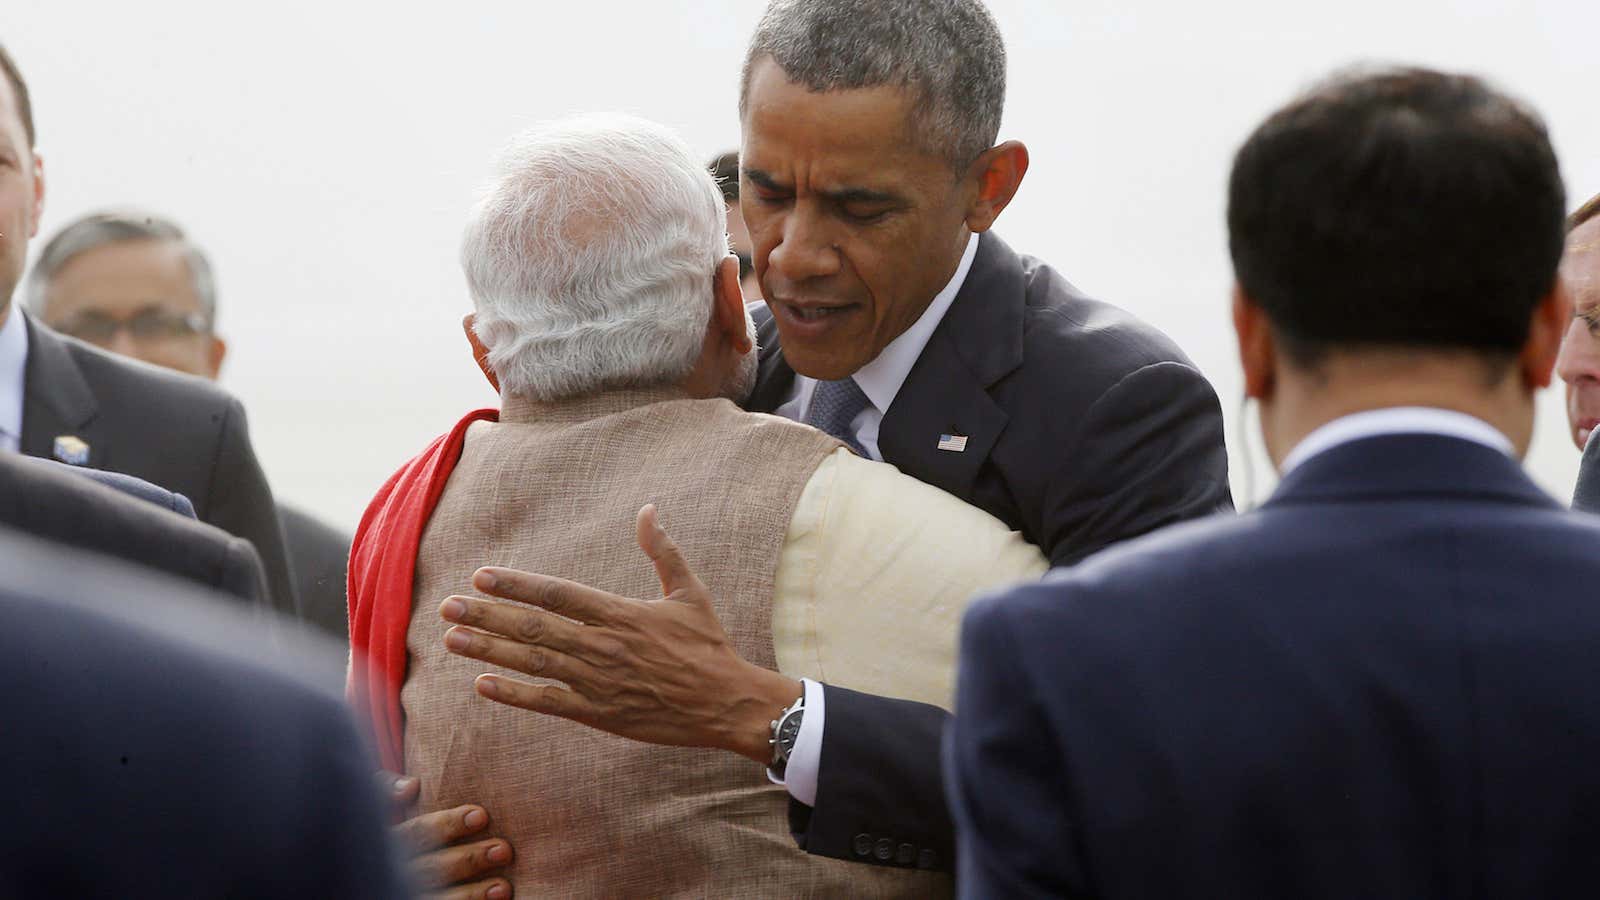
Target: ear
(727, 305)
(215, 354)
(38, 193)
(480, 353)
(1545, 330)
(997, 173)
(1257, 354)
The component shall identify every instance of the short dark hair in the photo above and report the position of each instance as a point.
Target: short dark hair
(725, 169)
(1397, 208)
(1584, 213)
(947, 53)
(8, 67)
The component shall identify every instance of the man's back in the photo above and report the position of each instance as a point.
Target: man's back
(1380, 684)
(554, 486)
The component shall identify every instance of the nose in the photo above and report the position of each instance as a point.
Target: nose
(1579, 359)
(805, 250)
(122, 344)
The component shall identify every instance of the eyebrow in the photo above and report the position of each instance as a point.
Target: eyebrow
(765, 181)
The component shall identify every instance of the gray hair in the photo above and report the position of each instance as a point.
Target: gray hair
(947, 53)
(114, 227)
(590, 258)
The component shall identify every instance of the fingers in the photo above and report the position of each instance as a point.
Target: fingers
(454, 865)
(527, 626)
(402, 790)
(430, 831)
(549, 699)
(528, 659)
(494, 889)
(567, 598)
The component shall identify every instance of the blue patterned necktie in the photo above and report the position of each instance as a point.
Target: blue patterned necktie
(834, 405)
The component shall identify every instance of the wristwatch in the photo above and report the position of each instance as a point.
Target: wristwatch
(785, 731)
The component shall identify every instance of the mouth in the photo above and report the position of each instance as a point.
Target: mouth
(811, 319)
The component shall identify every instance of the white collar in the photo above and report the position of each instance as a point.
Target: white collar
(13, 366)
(881, 379)
(1396, 420)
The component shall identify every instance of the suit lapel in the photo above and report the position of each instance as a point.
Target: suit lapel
(774, 378)
(978, 342)
(57, 400)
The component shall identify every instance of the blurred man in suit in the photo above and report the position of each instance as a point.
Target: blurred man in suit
(133, 283)
(61, 398)
(1579, 363)
(725, 169)
(1381, 682)
(608, 314)
(126, 518)
(158, 751)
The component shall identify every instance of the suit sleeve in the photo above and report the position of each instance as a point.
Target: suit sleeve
(1004, 774)
(241, 573)
(1148, 453)
(241, 504)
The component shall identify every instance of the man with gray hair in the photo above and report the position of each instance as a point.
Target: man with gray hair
(871, 175)
(133, 283)
(609, 317)
(63, 399)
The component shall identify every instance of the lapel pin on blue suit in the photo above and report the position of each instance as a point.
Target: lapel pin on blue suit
(72, 450)
(955, 443)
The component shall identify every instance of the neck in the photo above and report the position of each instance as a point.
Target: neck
(1304, 401)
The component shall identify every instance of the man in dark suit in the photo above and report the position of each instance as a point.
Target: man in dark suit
(1579, 363)
(60, 398)
(896, 321)
(1380, 683)
(131, 520)
(159, 752)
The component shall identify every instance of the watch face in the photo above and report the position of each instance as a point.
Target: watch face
(789, 731)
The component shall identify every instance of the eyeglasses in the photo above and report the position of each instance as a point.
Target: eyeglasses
(146, 327)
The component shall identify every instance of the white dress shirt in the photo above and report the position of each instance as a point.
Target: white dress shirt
(881, 379)
(13, 365)
(1396, 420)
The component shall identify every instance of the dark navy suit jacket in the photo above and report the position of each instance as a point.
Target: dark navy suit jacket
(1084, 426)
(1380, 684)
(158, 746)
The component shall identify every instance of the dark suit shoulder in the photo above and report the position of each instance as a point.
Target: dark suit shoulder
(1076, 343)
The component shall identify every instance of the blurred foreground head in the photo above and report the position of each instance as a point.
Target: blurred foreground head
(1395, 237)
(597, 258)
(133, 283)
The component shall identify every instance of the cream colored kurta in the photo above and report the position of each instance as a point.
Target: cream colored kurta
(874, 575)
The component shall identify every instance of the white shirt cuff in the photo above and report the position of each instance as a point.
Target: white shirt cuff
(800, 775)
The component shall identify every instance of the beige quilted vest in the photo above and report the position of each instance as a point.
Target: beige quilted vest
(555, 489)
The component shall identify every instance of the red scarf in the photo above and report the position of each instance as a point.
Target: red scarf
(383, 562)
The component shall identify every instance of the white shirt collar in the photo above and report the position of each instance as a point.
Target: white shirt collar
(13, 366)
(881, 379)
(1396, 420)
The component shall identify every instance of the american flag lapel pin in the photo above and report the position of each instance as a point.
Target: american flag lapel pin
(955, 443)
(72, 450)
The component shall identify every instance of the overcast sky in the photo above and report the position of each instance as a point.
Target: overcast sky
(326, 155)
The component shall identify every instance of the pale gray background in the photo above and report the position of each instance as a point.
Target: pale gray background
(326, 154)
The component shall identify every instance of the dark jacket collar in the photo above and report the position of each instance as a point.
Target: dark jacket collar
(1395, 466)
(57, 400)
